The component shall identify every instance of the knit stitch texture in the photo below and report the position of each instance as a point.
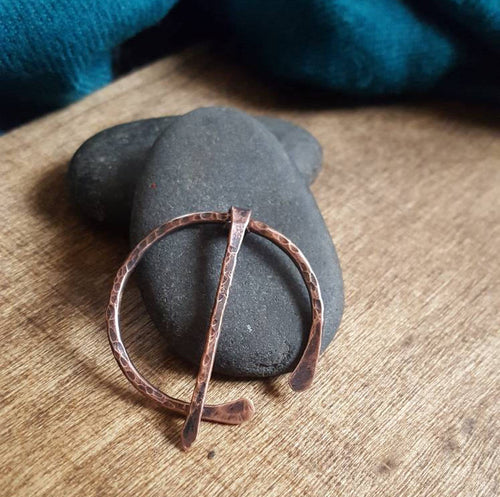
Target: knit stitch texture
(53, 52)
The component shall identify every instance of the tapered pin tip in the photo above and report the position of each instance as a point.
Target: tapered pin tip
(188, 435)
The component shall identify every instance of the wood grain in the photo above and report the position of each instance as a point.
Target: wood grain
(406, 399)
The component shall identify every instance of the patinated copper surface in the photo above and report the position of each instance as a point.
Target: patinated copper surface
(239, 223)
(230, 413)
(302, 376)
(240, 410)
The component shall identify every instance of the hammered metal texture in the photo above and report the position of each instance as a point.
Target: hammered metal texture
(239, 222)
(302, 376)
(241, 410)
(230, 413)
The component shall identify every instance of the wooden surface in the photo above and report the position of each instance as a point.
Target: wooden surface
(406, 401)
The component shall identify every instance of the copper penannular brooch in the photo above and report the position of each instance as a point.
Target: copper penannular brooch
(237, 411)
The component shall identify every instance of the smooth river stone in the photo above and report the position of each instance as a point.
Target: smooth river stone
(104, 170)
(211, 159)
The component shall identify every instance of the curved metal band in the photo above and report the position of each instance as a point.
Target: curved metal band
(303, 374)
(242, 409)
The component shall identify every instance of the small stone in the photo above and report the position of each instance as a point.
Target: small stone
(211, 159)
(211, 454)
(104, 170)
(301, 147)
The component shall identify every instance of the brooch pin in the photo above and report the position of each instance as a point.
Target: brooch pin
(239, 222)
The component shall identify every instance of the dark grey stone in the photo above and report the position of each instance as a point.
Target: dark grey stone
(104, 170)
(211, 159)
(301, 147)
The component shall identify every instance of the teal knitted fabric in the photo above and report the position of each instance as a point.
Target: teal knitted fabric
(363, 46)
(53, 52)
(366, 47)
